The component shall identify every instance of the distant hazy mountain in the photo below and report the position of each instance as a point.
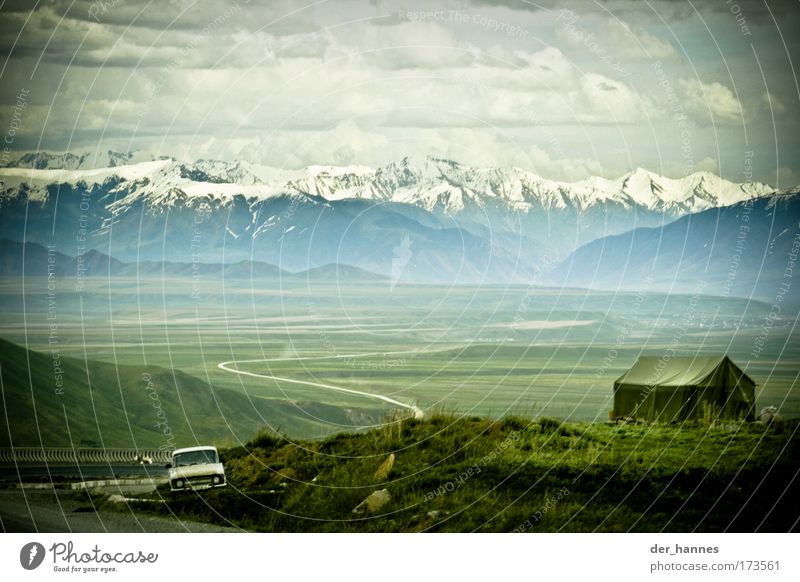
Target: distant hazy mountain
(35, 260)
(418, 219)
(745, 250)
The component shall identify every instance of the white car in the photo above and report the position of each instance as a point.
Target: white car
(196, 468)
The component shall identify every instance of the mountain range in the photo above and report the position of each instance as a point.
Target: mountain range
(418, 219)
(34, 260)
(748, 249)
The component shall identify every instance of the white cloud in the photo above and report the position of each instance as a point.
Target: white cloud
(294, 149)
(786, 178)
(772, 103)
(633, 41)
(707, 164)
(549, 66)
(714, 98)
(604, 100)
(349, 143)
(675, 170)
(610, 39)
(567, 169)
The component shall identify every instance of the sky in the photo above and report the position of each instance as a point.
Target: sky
(566, 89)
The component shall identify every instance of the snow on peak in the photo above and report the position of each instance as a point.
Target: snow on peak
(88, 160)
(436, 184)
(339, 170)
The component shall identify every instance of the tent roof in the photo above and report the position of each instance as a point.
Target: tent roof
(678, 371)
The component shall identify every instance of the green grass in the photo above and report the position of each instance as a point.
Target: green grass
(135, 406)
(469, 356)
(461, 474)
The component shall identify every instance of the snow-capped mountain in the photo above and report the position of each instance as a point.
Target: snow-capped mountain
(478, 223)
(445, 186)
(78, 161)
(436, 185)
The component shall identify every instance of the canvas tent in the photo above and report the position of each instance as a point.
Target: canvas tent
(678, 389)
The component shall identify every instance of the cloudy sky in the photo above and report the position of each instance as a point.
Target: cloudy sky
(567, 89)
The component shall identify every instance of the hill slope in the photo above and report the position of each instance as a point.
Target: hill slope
(464, 474)
(65, 402)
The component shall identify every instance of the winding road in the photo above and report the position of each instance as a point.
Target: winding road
(418, 413)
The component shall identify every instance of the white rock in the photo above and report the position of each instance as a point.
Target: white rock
(374, 502)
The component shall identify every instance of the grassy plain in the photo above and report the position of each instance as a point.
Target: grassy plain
(489, 351)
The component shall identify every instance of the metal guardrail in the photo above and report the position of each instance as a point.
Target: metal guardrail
(54, 456)
(96, 484)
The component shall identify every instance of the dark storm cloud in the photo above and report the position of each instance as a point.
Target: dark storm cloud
(281, 16)
(757, 10)
(128, 34)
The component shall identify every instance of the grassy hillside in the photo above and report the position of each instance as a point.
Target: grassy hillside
(70, 402)
(467, 474)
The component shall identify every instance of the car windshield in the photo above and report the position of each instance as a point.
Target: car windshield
(194, 458)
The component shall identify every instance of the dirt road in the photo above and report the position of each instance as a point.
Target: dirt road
(226, 366)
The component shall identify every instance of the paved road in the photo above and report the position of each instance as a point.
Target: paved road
(48, 511)
(226, 366)
(10, 474)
